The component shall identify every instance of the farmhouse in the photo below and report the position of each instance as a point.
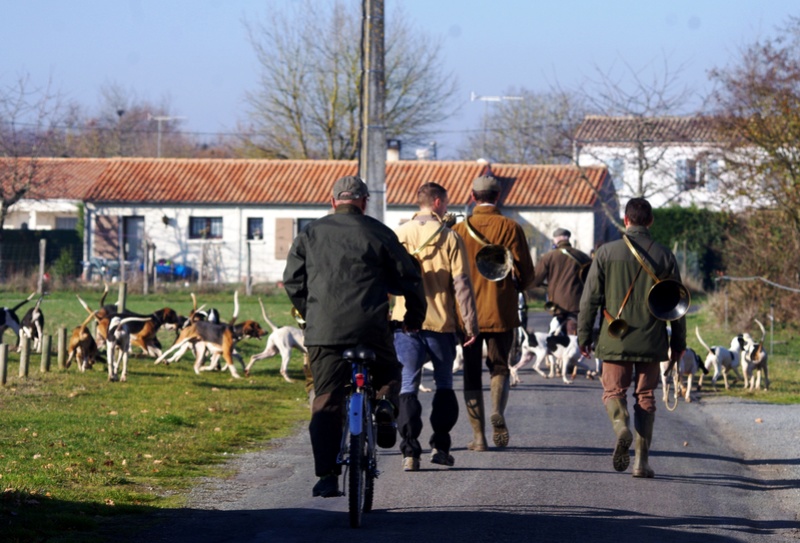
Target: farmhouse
(668, 160)
(223, 217)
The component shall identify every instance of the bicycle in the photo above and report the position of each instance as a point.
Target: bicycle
(358, 451)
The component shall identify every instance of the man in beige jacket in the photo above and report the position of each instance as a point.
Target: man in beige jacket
(445, 277)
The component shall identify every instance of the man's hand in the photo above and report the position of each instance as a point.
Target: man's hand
(586, 351)
(673, 359)
(469, 341)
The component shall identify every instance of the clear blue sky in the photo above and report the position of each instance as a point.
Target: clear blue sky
(196, 53)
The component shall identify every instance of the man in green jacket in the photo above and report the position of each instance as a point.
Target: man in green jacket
(617, 285)
(339, 274)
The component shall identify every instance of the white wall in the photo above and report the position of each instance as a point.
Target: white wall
(230, 253)
(660, 184)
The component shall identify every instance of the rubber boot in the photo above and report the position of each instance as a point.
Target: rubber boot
(617, 409)
(499, 391)
(474, 401)
(643, 425)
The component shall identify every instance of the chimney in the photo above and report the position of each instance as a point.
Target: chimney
(392, 150)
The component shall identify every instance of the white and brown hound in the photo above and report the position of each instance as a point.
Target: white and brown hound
(281, 340)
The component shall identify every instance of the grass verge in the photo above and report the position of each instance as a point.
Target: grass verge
(76, 450)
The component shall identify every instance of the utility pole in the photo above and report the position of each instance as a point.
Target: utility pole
(372, 156)
(159, 119)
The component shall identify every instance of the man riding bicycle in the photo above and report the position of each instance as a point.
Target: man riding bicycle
(339, 274)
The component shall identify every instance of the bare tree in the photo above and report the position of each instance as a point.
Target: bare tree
(28, 117)
(757, 107)
(533, 128)
(635, 122)
(125, 125)
(307, 104)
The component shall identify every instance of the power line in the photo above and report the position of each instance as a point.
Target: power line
(756, 278)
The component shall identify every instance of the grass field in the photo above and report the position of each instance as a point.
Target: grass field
(79, 454)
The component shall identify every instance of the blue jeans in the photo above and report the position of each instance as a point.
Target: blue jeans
(413, 350)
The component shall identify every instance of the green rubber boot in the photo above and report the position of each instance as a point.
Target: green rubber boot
(617, 409)
(643, 425)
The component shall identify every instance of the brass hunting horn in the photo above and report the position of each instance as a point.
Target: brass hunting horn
(494, 262)
(668, 299)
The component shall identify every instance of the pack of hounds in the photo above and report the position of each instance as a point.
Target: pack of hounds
(119, 334)
(202, 332)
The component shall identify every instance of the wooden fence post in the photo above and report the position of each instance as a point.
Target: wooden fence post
(42, 253)
(62, 347)
(123, 295)
(3, 363)
(249, 280)
(45, 364)
(24, 356)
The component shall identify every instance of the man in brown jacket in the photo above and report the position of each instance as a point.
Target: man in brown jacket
(562, 268)
(496, 302)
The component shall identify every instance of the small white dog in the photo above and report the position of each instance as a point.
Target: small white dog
(722, 360)
(537, 353)
(687, 366)
(567, 357)
(754, 361)
(281, 340)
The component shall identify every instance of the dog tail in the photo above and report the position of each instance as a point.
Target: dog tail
(703, 343)
(235, 308)
(23, 302)
(86, 307)
(264, 314)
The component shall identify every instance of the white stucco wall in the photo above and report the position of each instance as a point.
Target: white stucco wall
(229, 254)
(660, 185)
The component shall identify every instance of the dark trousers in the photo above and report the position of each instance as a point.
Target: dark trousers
(331, 379)
(498, 349)
(618, 376)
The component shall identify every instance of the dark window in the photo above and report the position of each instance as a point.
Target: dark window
(255, 228)
(205, 227)
(66, 223)
(302, 223)
(686, 174)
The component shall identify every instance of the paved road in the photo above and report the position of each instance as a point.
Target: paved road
(714, 483)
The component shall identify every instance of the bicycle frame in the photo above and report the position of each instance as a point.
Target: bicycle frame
(358, 446)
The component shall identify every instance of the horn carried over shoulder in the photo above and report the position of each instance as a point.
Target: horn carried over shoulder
(494, 262)
(668, 299)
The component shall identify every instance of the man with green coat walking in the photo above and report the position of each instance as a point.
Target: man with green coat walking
(617, 285)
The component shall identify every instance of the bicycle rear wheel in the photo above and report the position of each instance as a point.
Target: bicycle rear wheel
(370, 474)
(356, 477)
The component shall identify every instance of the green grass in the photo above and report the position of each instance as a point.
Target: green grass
(784, 368)
(75, 449)
(78, 454)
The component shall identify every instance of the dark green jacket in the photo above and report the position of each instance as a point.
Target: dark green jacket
(610, 276)
(339, 274)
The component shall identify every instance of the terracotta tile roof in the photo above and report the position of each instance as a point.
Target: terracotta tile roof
(304, 182)
(626, 130)
(525, 185)
(68, 179)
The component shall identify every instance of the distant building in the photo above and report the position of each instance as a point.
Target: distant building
(210, 214)
(668, 160)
